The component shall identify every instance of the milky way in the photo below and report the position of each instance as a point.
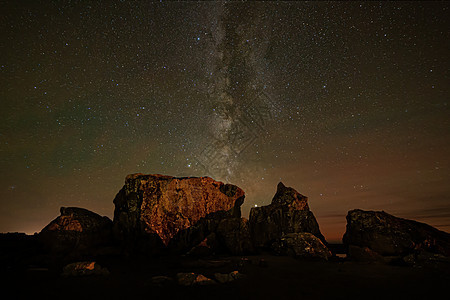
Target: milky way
(346, 102)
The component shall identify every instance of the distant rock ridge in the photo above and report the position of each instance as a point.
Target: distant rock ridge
(288, 213)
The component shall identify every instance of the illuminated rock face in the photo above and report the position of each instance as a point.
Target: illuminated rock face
(76, 229)
(288, 213)
(152, 207)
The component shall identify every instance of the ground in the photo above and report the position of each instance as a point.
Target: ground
(273, 278)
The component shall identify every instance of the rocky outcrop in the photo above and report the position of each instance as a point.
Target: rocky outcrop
(391, 236)
(76, 230)
(154, 212)
(301, 245)
(288, 213)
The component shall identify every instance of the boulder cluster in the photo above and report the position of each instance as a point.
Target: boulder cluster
(198, 216)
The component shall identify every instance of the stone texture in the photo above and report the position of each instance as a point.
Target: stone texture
(288, 213)
(392, 236)
(76, 229)
(301, 245)
(157, 211)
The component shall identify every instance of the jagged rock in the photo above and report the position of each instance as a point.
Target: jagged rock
(235, 235)
(288, 213)
(301, 245)
(76, 229)
(84, 268)
(157, 211)
(392, 236)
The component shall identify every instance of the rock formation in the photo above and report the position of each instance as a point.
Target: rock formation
(391, 236)
(156, 211)
(76, 229)
(301, 245)
(288, 213)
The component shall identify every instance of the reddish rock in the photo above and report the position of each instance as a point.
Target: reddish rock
(164, 208)
(76, 229)
(288, 213)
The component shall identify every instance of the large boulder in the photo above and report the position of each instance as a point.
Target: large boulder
(234, 234)
(301, 245)
(153, 212)
(76, 230)
(288, 213)
(391, 236)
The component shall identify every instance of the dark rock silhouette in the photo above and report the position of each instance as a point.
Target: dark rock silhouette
(76, 230)
(301, 245)
(388, 235)
(154, 212)
(288, 213)
(234, 233)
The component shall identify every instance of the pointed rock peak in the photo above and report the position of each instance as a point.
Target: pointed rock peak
(290, 197)
(280, 186)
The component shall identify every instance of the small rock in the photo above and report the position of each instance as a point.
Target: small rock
(203, 280)
(186, 279)
(223, 278)
(236, 275)
(84, 268)
(363, 254)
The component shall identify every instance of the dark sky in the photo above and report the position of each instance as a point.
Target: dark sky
(346, 102)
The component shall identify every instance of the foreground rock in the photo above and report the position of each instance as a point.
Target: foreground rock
(288, 213)
(76, 230)
(189, 279)
(84, 268)
(379, 233)
(232, 276)
(153, 212)
(301, 245)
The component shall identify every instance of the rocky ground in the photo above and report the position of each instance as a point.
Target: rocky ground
(264, 277)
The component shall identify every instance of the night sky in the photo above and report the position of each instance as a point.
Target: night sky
(346, 102)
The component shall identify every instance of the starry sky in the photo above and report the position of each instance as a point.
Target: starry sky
(347, 102)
